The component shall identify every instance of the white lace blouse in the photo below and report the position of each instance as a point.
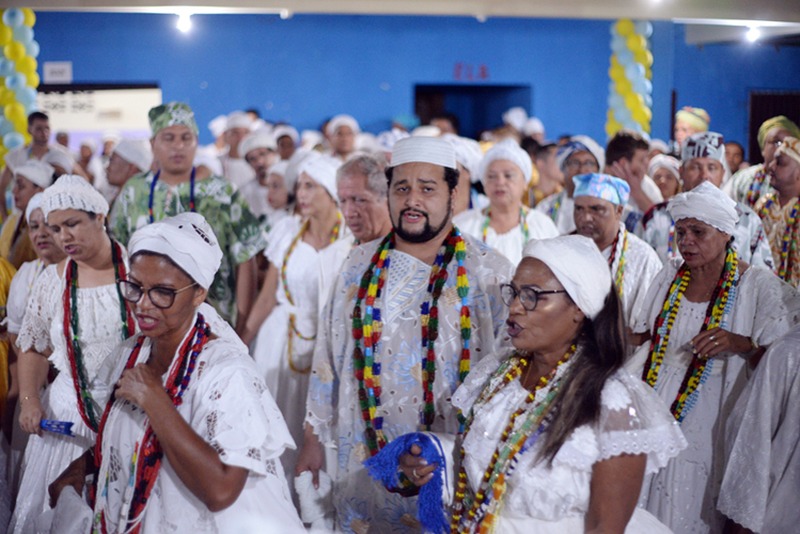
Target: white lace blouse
(632, 421)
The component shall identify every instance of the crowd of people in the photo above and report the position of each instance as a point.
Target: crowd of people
(411, 332)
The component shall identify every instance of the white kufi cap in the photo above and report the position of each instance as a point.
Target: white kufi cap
(433, 150)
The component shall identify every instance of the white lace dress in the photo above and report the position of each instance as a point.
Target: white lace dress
(555, 499)
(228, 405)
(99, 331)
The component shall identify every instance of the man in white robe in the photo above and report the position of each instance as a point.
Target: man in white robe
(421, 193)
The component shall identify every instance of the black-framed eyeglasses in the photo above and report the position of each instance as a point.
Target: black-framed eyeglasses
(161, 297)
(528, 296)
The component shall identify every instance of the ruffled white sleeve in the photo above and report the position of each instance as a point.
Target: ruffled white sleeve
(18, 294)
(633, 420)
(477, 379)
(235, 413)
(34, 334)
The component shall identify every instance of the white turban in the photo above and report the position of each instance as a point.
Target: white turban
(90, 143)
(508, 150)
(533, 126)
(282, 130)
(73, 192)
(323, 171)
(256, 140)
(309, 139)
(706, 203)
(112, 136)
(578, 265)
(342, 120)
(35, 203)
(217, 125)
(61, 158)
(468, 154)
(206, 157)
(138, 152)
(578, 143)
(387, 139)
(238, 119)
(433, 150)
(426, 130)
(279, 168)
(663, 161)
(37, 172)
(516, 118)
(187, 239)
(293, 166)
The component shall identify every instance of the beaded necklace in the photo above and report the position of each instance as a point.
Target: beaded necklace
(86, 405)
(293, 331)
(619, 273)
(146, 460)
(754, 191)
(479, 511)
(785, 267)
(718, 307)
(153, 192)
(367, 330)
(523, 223)
(556, 206)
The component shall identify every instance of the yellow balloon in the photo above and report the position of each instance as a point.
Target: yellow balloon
(633, 101)
(27, 137)
(6, 35)
(615, 61)
(14, 50)
(20, 125)
(625, 27)
(624, 86)
(616, 72)
(30, 17)
(26, 64)
(33, 79)
(648, 59)
(636, 42)
(6, 96)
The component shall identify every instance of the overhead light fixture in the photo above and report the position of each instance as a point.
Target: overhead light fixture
(753, 34)
(285, 14)
(184, 22)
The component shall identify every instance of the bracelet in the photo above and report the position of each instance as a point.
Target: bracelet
(29, 397)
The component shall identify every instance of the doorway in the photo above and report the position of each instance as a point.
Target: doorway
(764, 105)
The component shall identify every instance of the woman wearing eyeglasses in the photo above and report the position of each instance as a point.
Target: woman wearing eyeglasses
(557, 436)
(190, 438)
(74, 319)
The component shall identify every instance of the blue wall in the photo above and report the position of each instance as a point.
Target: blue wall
(307, 68)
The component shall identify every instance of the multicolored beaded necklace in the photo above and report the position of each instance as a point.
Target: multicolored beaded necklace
(146, 460)
(718, 308)
(787, 240)
(293, 331)
(552, 212)
(478, 512)
(367, 330)
(86, 405)
(754, 191)
(153, 191)
(523, 223)
(621, 260)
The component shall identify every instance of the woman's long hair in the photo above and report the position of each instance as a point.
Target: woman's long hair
(601, 351)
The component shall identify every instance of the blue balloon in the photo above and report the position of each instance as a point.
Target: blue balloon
(16, 81)
(634, 71)
(618, 44)
(622, 114)
(5, 126)
(643, 27)
(615, 101)
(6, 67)
(23, 34)
(625, 58)
(26, 96)
(648, 100)
(13, 140)
(32, 49)
(14, 18)
(639, 85)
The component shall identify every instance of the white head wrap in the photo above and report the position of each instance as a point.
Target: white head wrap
(509, 150)
(59, 158)
(663, 161)
(578, 143)
(310, 139)
(90, 143)
(187, 239)
(279, 168)
(217, 125)
(35, 203)
(533, 126)
(706, 203)
(367, 142)
(322, 170)
(387, 139)
(578, 265)
(661, 146)
(293, 165)
(73, 192)
(426, 130)
(111, 135)
(790, 146)
(516, 117)
(206, 157)
(342, 120)
(37, 172)
(135, 151)
(284, 129)
(433, 150)
(703, 145)
(238, 119)
(468, 154)
(256, 140)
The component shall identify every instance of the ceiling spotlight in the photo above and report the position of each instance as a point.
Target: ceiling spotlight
(753, 34)
(285, 14)
(184, 22)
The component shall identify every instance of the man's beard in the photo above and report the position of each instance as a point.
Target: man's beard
(428, 232)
